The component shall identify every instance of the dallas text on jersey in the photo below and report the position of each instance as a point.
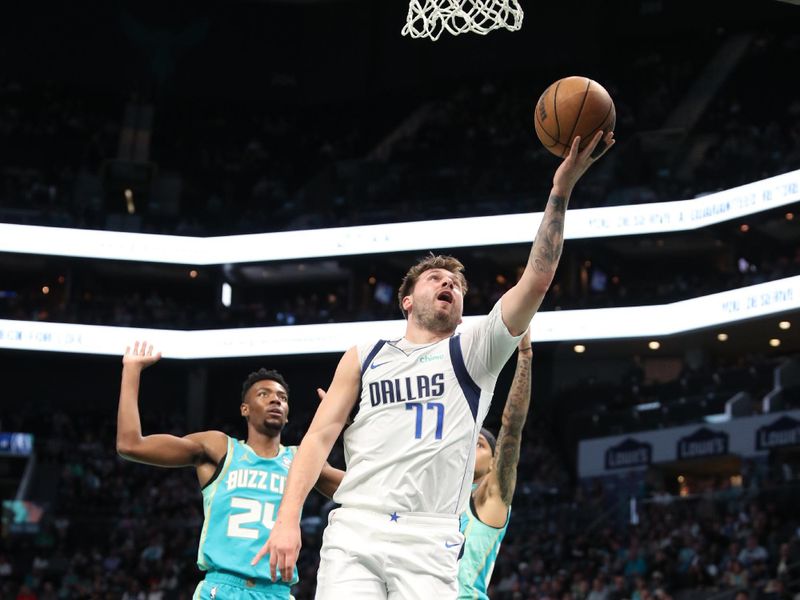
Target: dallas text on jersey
(406, 389)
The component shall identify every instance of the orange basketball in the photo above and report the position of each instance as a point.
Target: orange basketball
(570, 107)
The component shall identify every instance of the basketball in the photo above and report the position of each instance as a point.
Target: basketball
(570, 107)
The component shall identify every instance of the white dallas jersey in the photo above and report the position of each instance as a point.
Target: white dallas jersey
(411, 447)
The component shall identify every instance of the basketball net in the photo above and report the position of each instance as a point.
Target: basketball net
(429, 18)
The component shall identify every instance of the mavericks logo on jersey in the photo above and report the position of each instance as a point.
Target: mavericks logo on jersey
(406, 389)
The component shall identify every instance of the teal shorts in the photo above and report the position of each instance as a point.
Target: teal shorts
(221, 586)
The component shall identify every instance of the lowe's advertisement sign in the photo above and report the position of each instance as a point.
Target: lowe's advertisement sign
(746, 436)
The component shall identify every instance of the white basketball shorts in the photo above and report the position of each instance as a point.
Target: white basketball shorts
(392, 556)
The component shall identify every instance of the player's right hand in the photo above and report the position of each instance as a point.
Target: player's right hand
(283, 547)
(141, 356)
(578, 161)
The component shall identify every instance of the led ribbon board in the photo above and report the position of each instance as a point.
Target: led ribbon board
(565, 325)
(637, 219)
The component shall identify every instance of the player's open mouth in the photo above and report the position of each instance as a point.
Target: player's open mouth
(445, 297)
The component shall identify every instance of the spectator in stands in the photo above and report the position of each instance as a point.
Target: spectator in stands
(599, 590)
(6, 570)
(735, 576)
(781, 568)
(635, 563)
(752, 552)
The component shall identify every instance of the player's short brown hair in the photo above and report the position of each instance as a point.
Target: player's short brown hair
(432, 261)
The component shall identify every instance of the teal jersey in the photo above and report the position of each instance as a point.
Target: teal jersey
(481, 545)
(240, 505)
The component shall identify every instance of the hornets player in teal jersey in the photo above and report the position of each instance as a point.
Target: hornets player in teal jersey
(242, 482)
(486, 518)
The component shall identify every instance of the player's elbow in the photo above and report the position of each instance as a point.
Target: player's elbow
(126, 447)
(124, 451)
(535, 281)
(540, 283)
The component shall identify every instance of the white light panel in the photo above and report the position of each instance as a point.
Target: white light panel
(637, 219)
(565, 325)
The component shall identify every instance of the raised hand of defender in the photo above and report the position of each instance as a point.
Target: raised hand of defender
(283, 547)
(141, 356)
(578, 161)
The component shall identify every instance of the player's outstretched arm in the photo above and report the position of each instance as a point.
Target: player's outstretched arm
(515, 412)
(283, 545)
(522, 301)
(330, 477)
(160, 449)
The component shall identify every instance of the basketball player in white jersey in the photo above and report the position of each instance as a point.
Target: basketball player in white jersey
(421, 401)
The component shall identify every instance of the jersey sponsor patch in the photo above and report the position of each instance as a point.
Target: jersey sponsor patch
(427, 358)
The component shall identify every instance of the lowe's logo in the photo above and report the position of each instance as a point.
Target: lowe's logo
(703, 442)
(783, 432)
(630, 453)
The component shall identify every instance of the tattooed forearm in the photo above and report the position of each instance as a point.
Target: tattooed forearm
(510, 437)
(549, 240)
(559, 203)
